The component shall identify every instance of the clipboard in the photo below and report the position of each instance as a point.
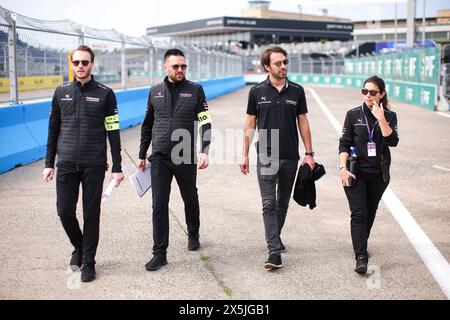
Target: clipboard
(142, 181)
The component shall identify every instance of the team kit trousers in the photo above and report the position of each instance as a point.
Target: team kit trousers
(68, 180)
(162, 172)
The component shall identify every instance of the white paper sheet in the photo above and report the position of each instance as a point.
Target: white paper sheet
(142, 181)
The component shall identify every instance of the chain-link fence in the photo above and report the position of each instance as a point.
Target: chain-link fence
(34, 57)
(306, 57)
(302, 63)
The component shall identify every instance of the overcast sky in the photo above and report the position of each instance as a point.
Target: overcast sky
(132, 17)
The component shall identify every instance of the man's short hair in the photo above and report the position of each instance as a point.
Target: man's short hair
(173, 52)
(87, 49)
(265, 56)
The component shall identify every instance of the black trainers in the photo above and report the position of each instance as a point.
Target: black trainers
(361, 264)
(282, 247)
(274, 262)
(76, 260)
(193, 242)
(158, 261)
(88, 272)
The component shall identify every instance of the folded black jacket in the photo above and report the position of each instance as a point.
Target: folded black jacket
(305, 187)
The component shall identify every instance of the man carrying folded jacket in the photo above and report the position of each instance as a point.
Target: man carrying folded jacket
(278, 108)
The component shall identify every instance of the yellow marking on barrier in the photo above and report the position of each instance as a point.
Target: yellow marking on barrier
(69, 67)
(4, 85)
(204, 117)
(32, 83)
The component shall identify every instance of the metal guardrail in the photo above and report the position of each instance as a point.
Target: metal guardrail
(302, 63)
(34, 57)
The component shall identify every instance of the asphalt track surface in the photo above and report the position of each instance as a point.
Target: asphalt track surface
(318, 264)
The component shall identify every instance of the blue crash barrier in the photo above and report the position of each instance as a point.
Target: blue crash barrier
(18, 146)
(24, 128)
(218, 87)
(132, 105)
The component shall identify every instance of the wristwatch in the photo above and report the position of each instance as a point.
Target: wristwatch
(309, 154)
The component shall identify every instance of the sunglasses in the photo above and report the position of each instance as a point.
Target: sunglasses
(278, 63)
(85, 63)
(178, 66)
(373, 93)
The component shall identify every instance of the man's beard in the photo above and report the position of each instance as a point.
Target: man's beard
(177, 79)
(279, 76)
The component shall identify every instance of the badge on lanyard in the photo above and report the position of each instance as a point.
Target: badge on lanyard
(371, 146)
(372, 149)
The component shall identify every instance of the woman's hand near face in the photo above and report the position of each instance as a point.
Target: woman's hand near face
(378, 111)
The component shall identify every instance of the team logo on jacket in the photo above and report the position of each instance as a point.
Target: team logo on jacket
(66, 98)
(185, 95)
(92, 99)
(159, 95)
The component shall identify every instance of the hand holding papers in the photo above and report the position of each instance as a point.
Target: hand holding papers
(142, 181)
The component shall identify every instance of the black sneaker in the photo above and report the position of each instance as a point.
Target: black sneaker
(193, 242)
(282, 247)
(76, 260)
(158, 261)
(273, 262)
(361, 264)
(88, 272)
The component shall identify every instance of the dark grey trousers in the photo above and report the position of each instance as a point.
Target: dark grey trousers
(276, 179)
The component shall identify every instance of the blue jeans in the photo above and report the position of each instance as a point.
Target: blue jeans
(275, 201)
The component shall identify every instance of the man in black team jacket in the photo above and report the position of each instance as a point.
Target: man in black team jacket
(175, 107)
(83, 113)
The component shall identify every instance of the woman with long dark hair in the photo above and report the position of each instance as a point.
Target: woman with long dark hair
(364, 160)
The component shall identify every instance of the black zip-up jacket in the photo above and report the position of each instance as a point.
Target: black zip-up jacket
(305, 186)
(354, 133)
(80, 119)
(164, 116)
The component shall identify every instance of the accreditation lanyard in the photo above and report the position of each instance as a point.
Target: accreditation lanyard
(371, 146)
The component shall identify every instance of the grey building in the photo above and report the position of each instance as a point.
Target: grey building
(223, 31)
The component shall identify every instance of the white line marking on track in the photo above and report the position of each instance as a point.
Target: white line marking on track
(433, 259)
(441, 168)
(443, 114)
